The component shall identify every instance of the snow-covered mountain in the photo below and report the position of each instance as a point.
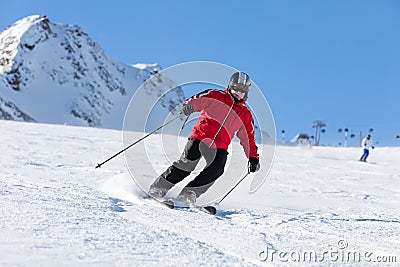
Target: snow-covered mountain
(55, 73)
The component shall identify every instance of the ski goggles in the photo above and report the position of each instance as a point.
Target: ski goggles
(238, 87)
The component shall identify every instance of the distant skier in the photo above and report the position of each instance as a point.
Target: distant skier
(223, 113)
(366, 144)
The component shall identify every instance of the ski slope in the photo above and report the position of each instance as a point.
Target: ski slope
(56, 209)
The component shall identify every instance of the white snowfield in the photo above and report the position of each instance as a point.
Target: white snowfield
(318, 207)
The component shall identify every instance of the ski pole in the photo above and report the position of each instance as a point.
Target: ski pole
(137, 141)
(184, 123)
(248, 172)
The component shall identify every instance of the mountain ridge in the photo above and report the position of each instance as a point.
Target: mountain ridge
(55, 73)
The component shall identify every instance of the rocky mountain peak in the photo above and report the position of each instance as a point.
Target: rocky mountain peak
(42, 61)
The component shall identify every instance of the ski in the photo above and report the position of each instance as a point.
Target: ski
(208, 209)
(168, 203)
(163, 202)
(211, 210)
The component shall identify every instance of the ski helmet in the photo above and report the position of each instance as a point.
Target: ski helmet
(240, 81)
(240, 78)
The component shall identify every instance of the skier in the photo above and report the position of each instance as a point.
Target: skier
(366, 144)
(223, 113)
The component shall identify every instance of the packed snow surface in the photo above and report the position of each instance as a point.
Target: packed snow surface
(58, 210)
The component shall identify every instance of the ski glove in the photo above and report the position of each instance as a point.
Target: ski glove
(254, 164)
(187, 109)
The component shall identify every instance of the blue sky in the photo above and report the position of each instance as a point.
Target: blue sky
(334, 60)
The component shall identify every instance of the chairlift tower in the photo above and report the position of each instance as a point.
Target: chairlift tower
(346, 135)
(318, 125)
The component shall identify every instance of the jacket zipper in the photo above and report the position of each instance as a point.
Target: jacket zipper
(222, 124)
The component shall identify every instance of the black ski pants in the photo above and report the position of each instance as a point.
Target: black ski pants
(191, 155)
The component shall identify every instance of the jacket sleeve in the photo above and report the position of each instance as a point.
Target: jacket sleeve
(364, 142)
(201, 100)
(246, 136)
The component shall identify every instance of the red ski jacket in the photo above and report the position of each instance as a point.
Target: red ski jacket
(220, 108)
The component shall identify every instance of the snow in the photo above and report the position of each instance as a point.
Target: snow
(57, 209)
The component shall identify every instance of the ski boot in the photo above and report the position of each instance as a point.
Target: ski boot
(187, 198)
